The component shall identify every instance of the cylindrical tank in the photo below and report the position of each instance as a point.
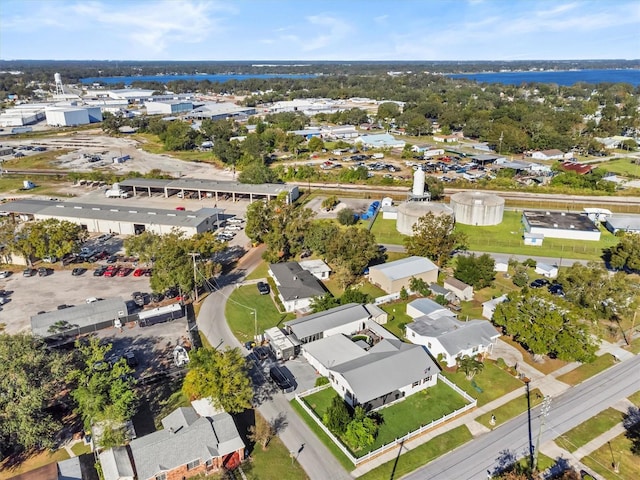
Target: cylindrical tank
(418, 183)
(477, 208)
(410, 212)
(57, 78)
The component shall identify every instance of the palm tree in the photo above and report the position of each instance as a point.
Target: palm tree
(470, 366)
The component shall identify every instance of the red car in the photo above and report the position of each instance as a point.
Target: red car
(180, 208)
(111, 271)
(139, 272)
(124, 271)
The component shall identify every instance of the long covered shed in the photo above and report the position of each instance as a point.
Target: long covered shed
(216, 190)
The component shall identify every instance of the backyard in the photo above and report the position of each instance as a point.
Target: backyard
(401, 418)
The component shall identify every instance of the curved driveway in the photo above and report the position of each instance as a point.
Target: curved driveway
(313, 456)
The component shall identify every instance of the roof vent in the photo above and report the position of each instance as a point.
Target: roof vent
(295, 277)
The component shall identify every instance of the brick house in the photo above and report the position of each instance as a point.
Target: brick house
(187, 446)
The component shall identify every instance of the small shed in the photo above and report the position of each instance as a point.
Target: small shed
(548, 271)
(534, 239)
(387, 201)
(501, 267)
(463, 291)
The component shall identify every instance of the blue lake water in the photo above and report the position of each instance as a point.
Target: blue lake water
(566, 77)
(219, 78)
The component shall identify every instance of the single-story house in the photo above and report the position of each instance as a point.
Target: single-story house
(297, 287)
(420, 148)
(446, 138)
(421, 307)
(549, 271)
(463, 291)
(382, 140)
(372, 376)
(345, 319)
(451, 338)
(579, 168)
(189, 445)
(551, 154)
(392, 276)
(489, 306)
(501, 267)
(318, 268)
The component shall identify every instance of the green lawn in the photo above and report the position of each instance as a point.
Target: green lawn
(419, 409)
(600, 460)
(587, 370)
(493, 381)
(421, 455)
(385, 231)
(511, 409)
(635, 398)
(275, 463)
(80, 448)
(397, 318)
(622, 166)
(507, 238)
(587, 431)
(261, 271)
(239, 312)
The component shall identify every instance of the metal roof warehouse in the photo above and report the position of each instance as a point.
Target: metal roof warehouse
(209, 188)
(120, 219)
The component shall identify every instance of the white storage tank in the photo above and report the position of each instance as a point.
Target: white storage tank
(418, 183)
(477, 208)
(410, 212)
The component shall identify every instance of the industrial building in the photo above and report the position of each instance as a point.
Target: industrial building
(623, 223)
(219, 111)
(477, 208)
(570, 226)
(214, 189)
(121, 219)
(25, 114)
(168, 107)
(72, 115)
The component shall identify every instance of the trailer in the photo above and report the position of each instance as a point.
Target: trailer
(146, 318)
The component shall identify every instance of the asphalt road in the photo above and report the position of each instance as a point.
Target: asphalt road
(473, 460)
(307, 449)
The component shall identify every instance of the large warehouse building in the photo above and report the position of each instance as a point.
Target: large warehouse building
(168, 107)
(68, 116)
(120, 219)
(571, 226)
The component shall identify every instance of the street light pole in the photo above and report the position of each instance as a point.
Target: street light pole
(195, 278)
(544, 411)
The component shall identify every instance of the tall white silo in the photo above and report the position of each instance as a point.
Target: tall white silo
(418, 183)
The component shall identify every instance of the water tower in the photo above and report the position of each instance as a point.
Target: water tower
(418, 192)
(59, 87)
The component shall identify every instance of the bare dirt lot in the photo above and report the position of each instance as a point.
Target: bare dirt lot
(358, 205)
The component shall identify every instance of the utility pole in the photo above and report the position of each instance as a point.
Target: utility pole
(531, 459)
(544, 411)
(195, 278)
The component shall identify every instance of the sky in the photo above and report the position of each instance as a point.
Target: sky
(319, 29)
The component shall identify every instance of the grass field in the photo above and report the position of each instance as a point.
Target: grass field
(587, 370)
(622, 166)
(401, 418)
(587, 431)
(492, 381)
(421, 455)
(397, 317)
(601, 462)
(385, 231)
(507, 238)
(39, 161)
(240, 308)
(511, 409)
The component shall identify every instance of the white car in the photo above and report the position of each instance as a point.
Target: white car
(4, 273)
(233, 227)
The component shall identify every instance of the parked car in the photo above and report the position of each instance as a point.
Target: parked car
(171, 292)
(539, 283)
(139, 272)
(29, 272)
(111, 271)
(112, 259)
(556, 289)
(4, 273)
(148, 272)
(76, 272)
(263, 288)
(63, 306)
(131, 359)
(157, 297)
(98, 272)
(124, 271)
(51, 259)
(43, 271)
(280, 379)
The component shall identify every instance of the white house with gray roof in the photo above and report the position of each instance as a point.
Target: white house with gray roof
(345, 319)
(296, 286)
(187, 446)
(452, 338)
(372, 376)
(421, 307)
(392, 276)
